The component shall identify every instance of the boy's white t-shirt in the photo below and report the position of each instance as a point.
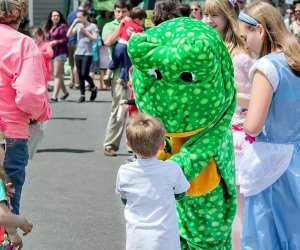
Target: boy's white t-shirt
(149, 186)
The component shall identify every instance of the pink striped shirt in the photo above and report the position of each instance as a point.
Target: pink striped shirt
(23, 88)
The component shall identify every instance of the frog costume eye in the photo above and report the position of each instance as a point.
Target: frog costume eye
(187, 76)
(156, 73)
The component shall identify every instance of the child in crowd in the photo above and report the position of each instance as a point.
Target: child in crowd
(269, 172)
(222, 15)
(132, 108)
(8, 221)
(95, 61)
(120, 55)
(45, 48)
(147, 188)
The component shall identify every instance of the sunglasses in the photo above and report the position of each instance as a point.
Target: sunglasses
(196, 9)
(3, 145)
(297, 11)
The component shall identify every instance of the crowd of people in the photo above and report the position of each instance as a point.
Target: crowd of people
(264, 51)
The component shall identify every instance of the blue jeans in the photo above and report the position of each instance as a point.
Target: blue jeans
(16, 159)
(120, 56)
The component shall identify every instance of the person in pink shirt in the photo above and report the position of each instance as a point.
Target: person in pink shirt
(45, 49)
(120, 55)
(23, 91)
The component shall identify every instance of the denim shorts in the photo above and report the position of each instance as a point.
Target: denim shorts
(61, 57)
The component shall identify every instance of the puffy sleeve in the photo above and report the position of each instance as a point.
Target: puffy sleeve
(266, 67)
(30, 83)
(242, 64)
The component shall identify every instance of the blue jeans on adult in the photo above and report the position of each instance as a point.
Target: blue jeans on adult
(16, 159)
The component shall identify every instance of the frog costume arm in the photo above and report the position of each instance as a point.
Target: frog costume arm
(184, 76)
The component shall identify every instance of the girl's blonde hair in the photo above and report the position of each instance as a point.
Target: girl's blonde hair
(39, 32)
(231, 35)
(13, 11)
(278, 37)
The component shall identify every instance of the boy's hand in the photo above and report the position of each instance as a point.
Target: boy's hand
(26, 227)
(124, 20)
(121, 102)
(16, 241)
(129, 31)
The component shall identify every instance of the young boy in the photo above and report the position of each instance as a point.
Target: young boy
(120, 55)
(147, 188)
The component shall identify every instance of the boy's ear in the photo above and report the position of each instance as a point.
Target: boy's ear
(163, 145)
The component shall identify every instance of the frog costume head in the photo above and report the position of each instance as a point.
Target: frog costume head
(182, 67)
(183, 75)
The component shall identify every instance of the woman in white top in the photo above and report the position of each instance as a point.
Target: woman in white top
(87, 33)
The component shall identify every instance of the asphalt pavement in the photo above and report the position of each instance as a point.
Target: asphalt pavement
(69, 191)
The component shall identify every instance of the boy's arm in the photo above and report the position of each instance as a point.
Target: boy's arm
(124, 201)
(119, 191)
(179, 196)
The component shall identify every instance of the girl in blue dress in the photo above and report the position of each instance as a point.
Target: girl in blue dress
(270, 170)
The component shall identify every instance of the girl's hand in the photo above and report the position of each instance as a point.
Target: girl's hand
(26, 227)
(52, 43)
(84, 32)
(9, 189)
(77, 20)
(16, 241)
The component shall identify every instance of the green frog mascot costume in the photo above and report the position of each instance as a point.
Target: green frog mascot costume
(183, 75)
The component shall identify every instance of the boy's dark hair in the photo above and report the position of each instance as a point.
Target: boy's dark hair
(145, 134)
(121, 4)
(185, 9)
(138, 13)
(165, 10)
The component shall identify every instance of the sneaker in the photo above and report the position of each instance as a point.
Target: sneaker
(81, 99)
(107, 80)
(53, 100)
(110, 152)
(76, 87)
(93, 94)
(64, 97)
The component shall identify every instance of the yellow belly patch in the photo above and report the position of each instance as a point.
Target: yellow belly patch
(206, 181)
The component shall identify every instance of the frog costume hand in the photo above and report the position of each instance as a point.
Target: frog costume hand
(183, 75)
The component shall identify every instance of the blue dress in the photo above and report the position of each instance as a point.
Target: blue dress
(272, 214)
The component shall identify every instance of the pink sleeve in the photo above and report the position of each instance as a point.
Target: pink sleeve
(242, 64)
(30, 84)
(48, 53)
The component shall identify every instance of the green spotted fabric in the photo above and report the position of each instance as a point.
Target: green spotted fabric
(183, 75)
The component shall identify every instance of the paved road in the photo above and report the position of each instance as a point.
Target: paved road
(69, 190)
